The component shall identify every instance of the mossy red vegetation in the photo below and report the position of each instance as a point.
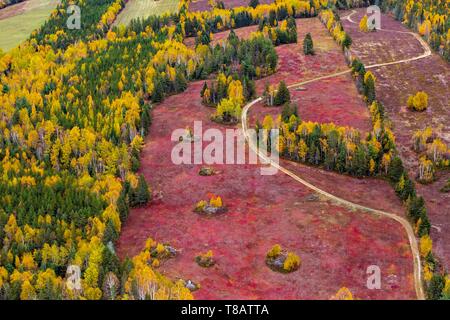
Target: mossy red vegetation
(336, 244)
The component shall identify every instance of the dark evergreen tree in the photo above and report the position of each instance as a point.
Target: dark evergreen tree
(253, 3)
(282, 96)
(396, 169)
(369, 90)
(425, 225)
(308, 46)
(146, 118)
(140, 195)
(110, 233)
(292, 30)
(180, 81)
(220, 5)
(435, 287)
(415, 207)
(272, 18)
(272, 60)
(158, 92)
(233, 39)
(249, 88)
(122, 205)
(288, 110)
(347, 42)
(205, 86)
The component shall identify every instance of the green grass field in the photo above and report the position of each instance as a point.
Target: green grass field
(145, 8)
(17, 28)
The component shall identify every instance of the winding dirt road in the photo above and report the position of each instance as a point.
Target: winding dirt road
(404, 222)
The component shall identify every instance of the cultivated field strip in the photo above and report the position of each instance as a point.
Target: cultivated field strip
(22, 19)
(144, 8)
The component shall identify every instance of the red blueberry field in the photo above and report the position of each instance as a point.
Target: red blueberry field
(336, 245)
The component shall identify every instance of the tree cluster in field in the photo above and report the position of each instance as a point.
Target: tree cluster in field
(332, 21)
(365, 81)
(428, 17)
(205, 260)
(276, 96)
(214, 206)
(348, 4)
(282, 261)
(219, 19)
(433, 154)
(280, 32)
(340, 149)
(343, 293)
(239, 62)
(227, 94)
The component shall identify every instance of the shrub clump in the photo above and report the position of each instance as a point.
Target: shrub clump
(228, 112)
(212, 207)
(308, 45)
(206, 171)
(418, 102)
(158, 252)
(140, 195)
(282, 261)
(205, 260)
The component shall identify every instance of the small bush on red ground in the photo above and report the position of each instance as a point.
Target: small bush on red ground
(282, 261)
(214, 206)
(140, 195)
(308, 45)
(158, 251)
(206, 171)
(205, 260)
(418, 102)
(343, 294)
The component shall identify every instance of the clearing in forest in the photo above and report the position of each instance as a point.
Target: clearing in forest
(144, 8)
(19, 20)
(335, 244)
